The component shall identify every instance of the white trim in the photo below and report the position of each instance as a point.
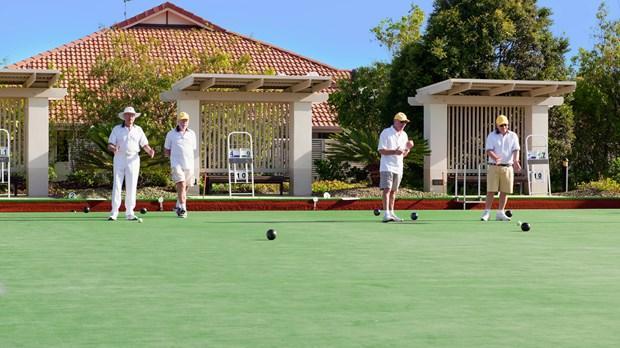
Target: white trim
(282, 97)
(483, 100)
(202, 25)
(18, 92)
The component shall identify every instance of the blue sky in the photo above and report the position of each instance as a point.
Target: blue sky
(335, 32)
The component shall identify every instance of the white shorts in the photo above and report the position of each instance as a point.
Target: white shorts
(182, 175)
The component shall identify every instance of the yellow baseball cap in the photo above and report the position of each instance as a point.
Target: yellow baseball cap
(501, 119)
(401, 117)
(183, 116)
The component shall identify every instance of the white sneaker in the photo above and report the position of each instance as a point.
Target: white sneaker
(396, 218)
(111, 218)
(388, 218)
(485, 216)
(501, 216)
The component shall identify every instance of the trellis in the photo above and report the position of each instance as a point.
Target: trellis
(267, 122)
(12, 119)
(468, 127)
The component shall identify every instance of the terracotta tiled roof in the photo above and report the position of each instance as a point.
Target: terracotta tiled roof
(177, 43)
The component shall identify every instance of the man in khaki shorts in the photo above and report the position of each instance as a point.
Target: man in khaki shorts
(180, 146)
(394, 145)
(502, 148)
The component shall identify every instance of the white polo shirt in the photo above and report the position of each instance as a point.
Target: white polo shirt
(128, 141)
(502, 145)
(390, 139)
(182, 146)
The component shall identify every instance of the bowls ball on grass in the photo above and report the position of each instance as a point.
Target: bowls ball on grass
(414, 216)
(508, 213)
(377, 212)
(86, 210)
(525, 227)
(271, 234)
(143, 211)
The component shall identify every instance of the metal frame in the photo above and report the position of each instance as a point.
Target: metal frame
(6, 158)
(464, 172)
(247, 162)
(537, 161)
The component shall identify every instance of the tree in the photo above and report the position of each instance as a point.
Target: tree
(597, 102)
(396, 34)
(360, 101)
(134, 74)
(487, 39)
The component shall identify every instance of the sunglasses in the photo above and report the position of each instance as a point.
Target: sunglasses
(503, 125)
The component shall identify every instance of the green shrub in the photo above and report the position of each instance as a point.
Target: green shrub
(334, 169)
(614, 169)
(155, 176)
(603, 185)
(265, 189)
(51, 173)
(89, 178)
(322, 186)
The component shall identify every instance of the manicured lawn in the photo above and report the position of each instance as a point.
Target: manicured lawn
(330, 279)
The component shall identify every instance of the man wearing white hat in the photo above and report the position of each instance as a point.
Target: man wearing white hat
(125, 142)
(180, 146)
(502, 148)
(394, 146)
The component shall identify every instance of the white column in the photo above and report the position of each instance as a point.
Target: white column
(300, 149)
(435, 131)
(192, 107)
(536, 121)
(37, 146)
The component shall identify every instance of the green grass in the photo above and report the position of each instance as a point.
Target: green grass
(330, 279)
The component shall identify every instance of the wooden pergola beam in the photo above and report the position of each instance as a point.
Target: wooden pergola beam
(543, 90)
(300, 86)
(321, 86)
(204, 85)
(31, 79)
(253, 85)
(565, 90)
(500, 90)
(459, 88)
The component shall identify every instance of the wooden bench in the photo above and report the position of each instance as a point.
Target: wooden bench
(210, 179)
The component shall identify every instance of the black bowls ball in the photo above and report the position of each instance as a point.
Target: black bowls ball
(271, 234)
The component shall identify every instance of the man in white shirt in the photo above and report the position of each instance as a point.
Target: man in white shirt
(125, 142)
(502, 148)
(180, 146)
(394, 145)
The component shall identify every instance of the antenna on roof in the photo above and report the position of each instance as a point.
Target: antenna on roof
(125, 2)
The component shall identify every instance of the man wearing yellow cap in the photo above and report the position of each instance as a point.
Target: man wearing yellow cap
(180, 146)
(502, 148)
(394, 145)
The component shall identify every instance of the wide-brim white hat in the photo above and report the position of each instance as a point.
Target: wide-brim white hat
(128, 110)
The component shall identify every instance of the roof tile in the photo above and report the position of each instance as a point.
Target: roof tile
(179, 43)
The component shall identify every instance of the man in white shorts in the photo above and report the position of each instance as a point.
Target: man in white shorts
(502, 148)
(125, 142)
(394, 145)
(180, 146)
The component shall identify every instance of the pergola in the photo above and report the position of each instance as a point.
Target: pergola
(298, 93)
(459, 113)
(35, 88)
